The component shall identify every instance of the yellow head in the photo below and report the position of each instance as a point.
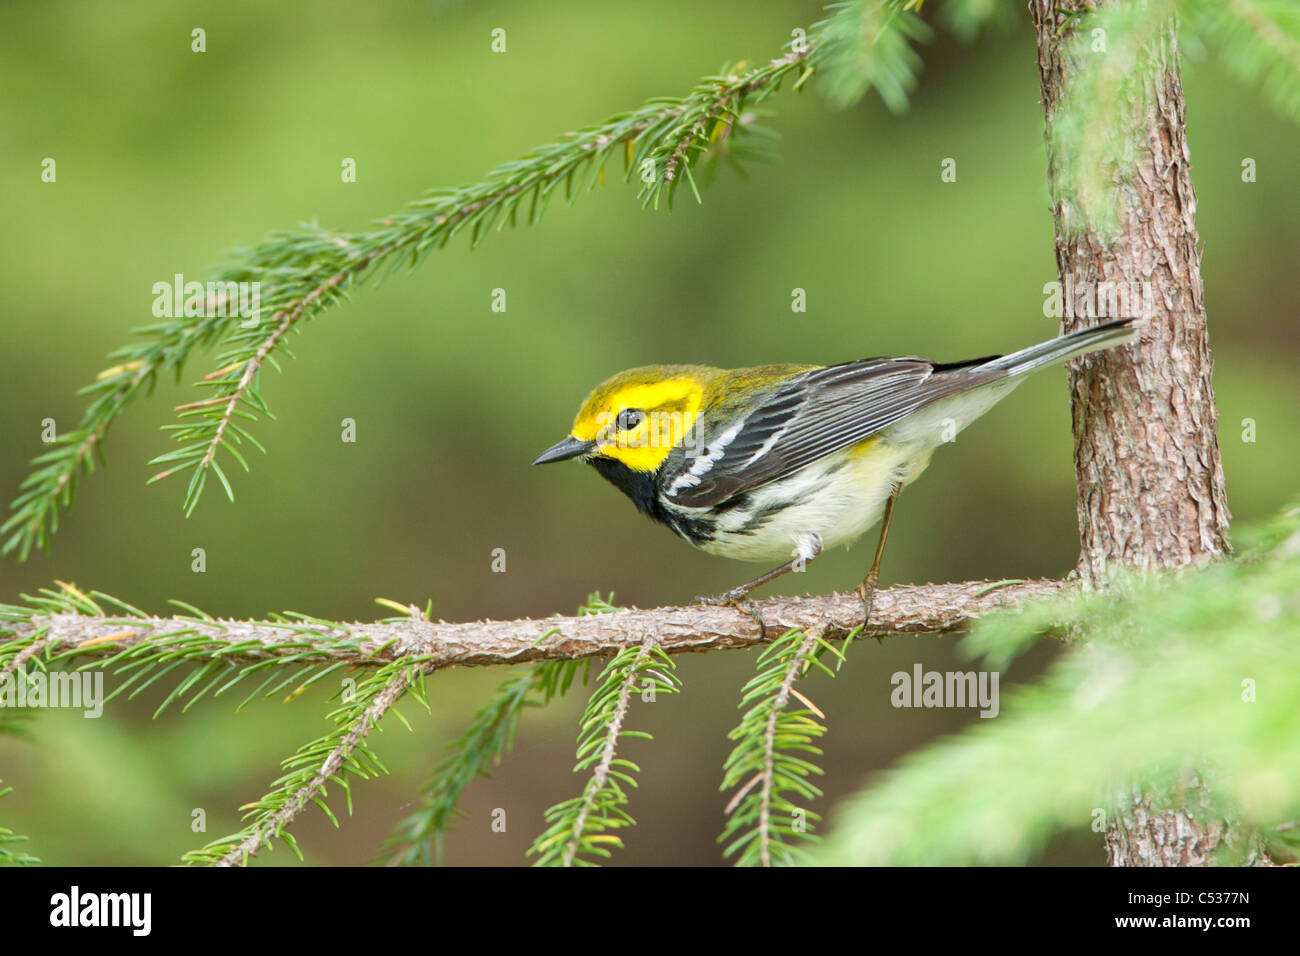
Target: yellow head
(637, 417)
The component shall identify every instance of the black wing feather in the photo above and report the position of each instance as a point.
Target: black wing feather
(821, 412)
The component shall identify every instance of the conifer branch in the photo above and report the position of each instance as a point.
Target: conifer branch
(418, 840)
(68, 626)
(24, 652)
(10, 852)
(1167, 690)
(302, 273)
(794, 670)
(763, 763)
(867, 44)
(600, 777)
(1257, 40)
(344, 753)
(862, 44)
(579, 827)
(120, 641)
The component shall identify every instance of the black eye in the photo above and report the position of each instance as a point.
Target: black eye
(629, 418)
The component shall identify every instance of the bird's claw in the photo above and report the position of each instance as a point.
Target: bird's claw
(868, 596)
(732, 597)
(736, 598)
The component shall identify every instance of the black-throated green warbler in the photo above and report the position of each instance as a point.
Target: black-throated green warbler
(777, 461)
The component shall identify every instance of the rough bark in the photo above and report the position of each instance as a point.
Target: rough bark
(1150, 478)
(1151, 836)
(1155, 836)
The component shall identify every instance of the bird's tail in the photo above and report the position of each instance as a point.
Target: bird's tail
(1107, 335)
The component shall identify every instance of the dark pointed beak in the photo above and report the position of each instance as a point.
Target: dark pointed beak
(569, 448)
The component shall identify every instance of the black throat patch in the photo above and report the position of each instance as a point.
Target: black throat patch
(637, 485)
(641, 487)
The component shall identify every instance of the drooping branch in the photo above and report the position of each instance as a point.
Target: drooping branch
(600, 777)
(303, 272)
(770, 747)
(274, 823)
(299, 274)
(902, 610)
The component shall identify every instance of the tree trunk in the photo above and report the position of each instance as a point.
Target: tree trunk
(1150, 479)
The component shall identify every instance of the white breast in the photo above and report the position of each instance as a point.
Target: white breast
(843, 495)
(838, 505)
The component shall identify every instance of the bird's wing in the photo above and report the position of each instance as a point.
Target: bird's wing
(813, 415)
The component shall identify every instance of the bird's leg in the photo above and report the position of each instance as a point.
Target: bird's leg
(737, 596)
(867, 590)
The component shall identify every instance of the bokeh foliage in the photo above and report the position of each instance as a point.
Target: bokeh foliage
(168, 158)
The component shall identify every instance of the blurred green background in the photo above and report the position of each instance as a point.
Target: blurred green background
(167, 159)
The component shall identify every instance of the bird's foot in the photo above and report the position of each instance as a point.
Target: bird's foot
(737, 598)
(867, 592)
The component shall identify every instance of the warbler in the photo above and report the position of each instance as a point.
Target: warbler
(784, 461)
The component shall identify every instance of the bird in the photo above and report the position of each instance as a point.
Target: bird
(782, 462)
